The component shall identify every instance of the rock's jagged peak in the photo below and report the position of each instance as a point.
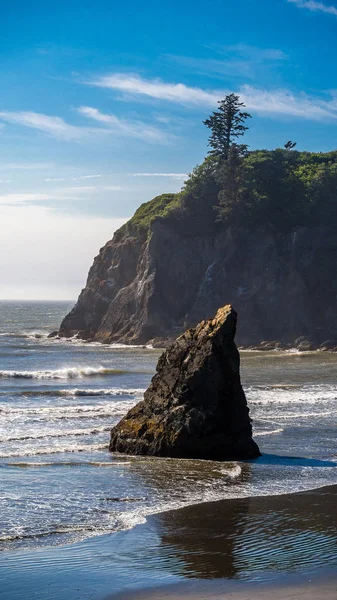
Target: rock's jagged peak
(195, 406)
(223, 323)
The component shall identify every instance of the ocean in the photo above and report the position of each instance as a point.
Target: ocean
(59, 399)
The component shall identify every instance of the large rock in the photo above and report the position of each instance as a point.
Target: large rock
(195, 406)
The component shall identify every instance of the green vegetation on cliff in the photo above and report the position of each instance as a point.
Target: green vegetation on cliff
(281, 188)
(278, 188)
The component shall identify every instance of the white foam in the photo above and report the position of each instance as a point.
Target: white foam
(271, 432)
(54, 450)
(54, 434)
(308, 394)
(66, 373)
(104, 392)
(69, 412)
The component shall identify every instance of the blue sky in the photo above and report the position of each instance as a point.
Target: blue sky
(102, 104)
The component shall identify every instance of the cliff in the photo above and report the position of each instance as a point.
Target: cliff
(146, 287)
(174, 263)
(195, 406)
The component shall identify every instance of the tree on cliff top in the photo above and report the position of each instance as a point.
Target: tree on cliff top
(227, 124)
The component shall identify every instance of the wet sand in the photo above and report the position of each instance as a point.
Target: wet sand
(284, 547)
(308, 590)
(279, 547)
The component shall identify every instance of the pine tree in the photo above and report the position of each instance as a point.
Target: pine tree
(233, 194)
(227, 124)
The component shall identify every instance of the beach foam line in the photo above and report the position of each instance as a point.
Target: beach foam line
(66, 373)
(306, 394)
(72, 411)
(77, 392)
(54, 450)
(55, 434)
(63, 529)
(67, 463)
(271, 432)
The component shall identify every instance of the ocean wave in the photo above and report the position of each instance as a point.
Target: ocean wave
(66, 373)
(61, 530)
(281, 394)
(68, 463)
(232, 472)
(69, 412)
(55, 434)
(54, 450)
(77, 392)
(271, 432)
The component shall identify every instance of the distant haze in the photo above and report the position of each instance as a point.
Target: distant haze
(46, 255)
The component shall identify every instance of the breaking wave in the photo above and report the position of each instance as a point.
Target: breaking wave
(67, 373)
(70, 412)
(55, 434)
(76, 392)
(54, 450)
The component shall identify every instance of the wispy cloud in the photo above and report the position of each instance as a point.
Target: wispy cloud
(61, 194)
(284, 102)
(240, 60)
(22, 198)
(52, 179)
(155, 88)
(135, 129)
(261, 101)
(172, 175)
(110, 124)
(85, 177)
(96, 188)
(26, 166)
(53, 126)
(315, 6)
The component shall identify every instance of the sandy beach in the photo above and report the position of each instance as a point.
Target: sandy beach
(282, 547)
(309, 590)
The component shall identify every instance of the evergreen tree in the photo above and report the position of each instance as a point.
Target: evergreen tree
(227, 124)
(233, 196)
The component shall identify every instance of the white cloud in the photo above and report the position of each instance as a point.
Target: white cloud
(135, 129)
(60, 129)
(315, 6)
(96, 188)
(240, 60)
(33, 198)
(27, 166)
(48, 179)
(82, 188)
(54, 126)
(85, 177)
(22, 198)
(261, 101)
(284, 102)
(155, 88)
(68, 262)
(173, 175)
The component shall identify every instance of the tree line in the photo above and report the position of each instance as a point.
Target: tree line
(283, 187)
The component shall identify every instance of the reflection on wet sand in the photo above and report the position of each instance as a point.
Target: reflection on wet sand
(241, 538)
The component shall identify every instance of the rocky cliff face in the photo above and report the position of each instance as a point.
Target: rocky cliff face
(195, 406)
(153, 283)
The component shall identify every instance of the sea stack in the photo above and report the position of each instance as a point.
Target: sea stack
(195, 406)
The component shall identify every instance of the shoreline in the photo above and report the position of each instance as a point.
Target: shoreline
(304, 347)
(234, 546)
(285, 588)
